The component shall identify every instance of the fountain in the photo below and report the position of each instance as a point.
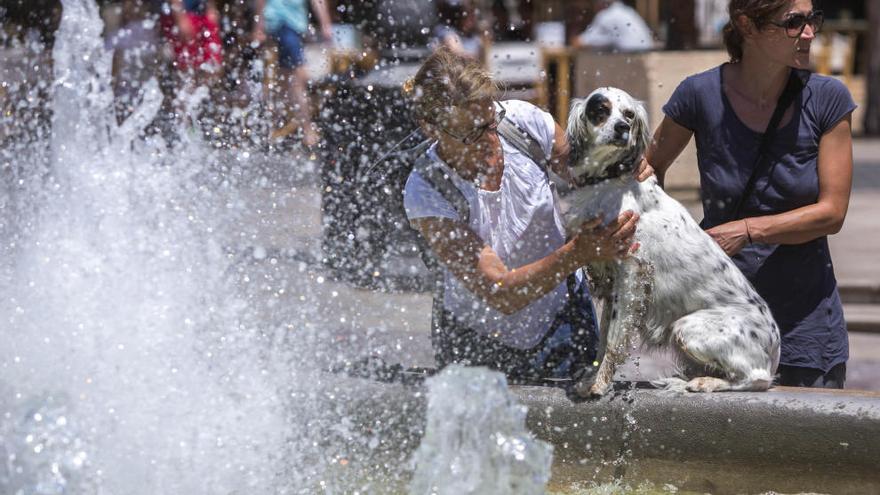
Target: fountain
(475, 439)
(138, 356)
(149, 346)
(129, 364)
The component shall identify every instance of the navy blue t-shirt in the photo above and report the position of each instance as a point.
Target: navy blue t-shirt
(796, 280)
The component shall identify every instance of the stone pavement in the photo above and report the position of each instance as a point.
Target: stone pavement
(286, 227)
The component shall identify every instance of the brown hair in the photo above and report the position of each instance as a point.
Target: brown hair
(447, 80)
(760, 12)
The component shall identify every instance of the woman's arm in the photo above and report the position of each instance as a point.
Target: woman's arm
(669, 139)
(481, 270)
(559, 152)
(809, 222)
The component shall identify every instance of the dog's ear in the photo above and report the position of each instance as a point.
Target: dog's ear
(642, 131)
(577, 123)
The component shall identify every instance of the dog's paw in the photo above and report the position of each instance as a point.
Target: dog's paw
(599, 390)
(708, 384)
(588, 389)
(581, 389)
(670, 384)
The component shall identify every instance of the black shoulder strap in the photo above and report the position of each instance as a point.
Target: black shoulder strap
(792, 88)
(438, 177)
(524, 142)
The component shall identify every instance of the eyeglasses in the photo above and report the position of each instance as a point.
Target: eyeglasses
(476, 133)
(795, 24)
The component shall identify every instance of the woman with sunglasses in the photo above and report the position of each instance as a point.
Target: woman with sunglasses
(510, 301)
(772, 208)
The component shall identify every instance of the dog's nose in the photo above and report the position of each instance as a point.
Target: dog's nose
(622, 127)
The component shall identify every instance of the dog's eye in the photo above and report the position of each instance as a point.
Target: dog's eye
(629, 114)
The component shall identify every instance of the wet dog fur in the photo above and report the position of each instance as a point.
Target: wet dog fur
(679, 291)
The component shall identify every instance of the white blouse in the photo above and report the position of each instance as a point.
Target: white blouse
(520, 221)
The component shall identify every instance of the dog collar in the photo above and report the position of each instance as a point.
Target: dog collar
(612, 173)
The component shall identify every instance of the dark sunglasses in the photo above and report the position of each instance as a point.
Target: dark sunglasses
(795, 24)
(476, 133)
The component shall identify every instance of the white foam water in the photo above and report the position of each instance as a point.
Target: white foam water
(476, 441)
(135, 357)
(129, 364)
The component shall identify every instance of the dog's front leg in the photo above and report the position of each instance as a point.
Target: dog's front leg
(625, 314)
(602, 277)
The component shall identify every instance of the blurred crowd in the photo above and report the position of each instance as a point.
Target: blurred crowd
(244, 51)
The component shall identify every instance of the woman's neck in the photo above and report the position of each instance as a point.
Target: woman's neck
(458, 162)
(488, 176)
(758, 80)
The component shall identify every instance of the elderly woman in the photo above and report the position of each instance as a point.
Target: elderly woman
(771, 196)
(514, 298)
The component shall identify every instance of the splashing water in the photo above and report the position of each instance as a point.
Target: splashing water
(476, 440)
(135, 357)
(129, 364)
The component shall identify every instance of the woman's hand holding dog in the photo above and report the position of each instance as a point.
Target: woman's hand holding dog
(595, 242)
(731, 236)
(643, 170)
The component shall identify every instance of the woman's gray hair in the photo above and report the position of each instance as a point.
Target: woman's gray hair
(448, 80)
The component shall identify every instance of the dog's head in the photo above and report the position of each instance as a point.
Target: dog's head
(608, 132)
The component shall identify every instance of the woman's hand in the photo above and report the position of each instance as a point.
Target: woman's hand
(643, 170)
(594, 242)
(731, 236)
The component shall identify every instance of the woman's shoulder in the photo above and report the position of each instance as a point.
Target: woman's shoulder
(703, 81)
(826, 84)
(694, 97)
(538, 123)
(696, 87)
(519, 109)
(421, 199)
(827, 100)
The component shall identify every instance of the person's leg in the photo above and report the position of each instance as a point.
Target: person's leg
(797, 376)
(295, 78)
(455, 343)
(209, 53)
(301, 105)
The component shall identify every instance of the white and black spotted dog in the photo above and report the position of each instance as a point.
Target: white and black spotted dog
(679, 291)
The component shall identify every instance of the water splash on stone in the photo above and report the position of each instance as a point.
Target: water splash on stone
(476, 441)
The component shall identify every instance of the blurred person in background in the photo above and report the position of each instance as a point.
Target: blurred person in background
(460, 30)
(135, 47)
(192, 29)
(616, 27)
(287, 21)
(241, 54)
(777, 230)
